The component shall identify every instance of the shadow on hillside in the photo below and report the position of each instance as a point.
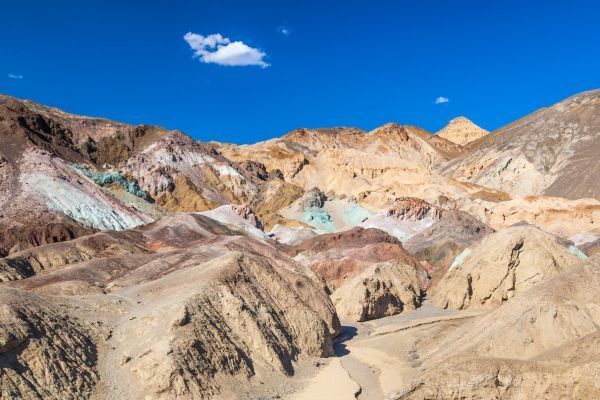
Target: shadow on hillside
(339, 347)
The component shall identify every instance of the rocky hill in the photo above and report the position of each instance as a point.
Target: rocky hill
(212, 304)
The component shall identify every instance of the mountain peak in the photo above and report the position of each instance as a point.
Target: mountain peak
(461, 130)
(460, 120)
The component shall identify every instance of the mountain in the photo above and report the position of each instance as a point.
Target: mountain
(373, 167)
(137, 262)
(461, 130)
(543, 153)
(63, 176)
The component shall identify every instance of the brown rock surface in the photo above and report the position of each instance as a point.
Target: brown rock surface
(444, 240)
(274, 195)
(338, 257)
(45, 351)
(538, 344)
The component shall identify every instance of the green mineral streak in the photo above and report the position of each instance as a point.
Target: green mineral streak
(104, 178)
(574, 250)
(319, 219)
(460, 258)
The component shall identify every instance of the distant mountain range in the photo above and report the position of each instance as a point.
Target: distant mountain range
(74, 175)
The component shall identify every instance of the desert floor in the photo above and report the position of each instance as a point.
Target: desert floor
(376, 359)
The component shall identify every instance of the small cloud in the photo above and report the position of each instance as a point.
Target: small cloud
(441, 100)
(216, 49)
(284, 30)
(15, 76)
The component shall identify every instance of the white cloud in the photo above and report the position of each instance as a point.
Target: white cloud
(220, 50)
(283, 30)
(15, 76)
(441, 100)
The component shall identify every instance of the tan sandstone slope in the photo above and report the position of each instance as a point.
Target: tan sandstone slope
(501, 265)
(540, 344)
(373, 167)
(381, 290)
(461, 130)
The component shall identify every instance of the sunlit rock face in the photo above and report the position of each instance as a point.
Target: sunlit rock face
(461, 131)
(406, 217)
(501, 266)
(381, 290)
(193, 291)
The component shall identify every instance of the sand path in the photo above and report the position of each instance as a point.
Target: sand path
(375, 359)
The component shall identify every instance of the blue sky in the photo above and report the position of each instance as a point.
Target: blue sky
(338, 63)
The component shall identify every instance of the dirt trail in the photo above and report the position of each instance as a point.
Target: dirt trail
(378, 356)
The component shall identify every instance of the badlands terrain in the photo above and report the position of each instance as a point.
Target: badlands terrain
(332, 263)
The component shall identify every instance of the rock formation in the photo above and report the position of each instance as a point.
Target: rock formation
(379, 291)
(184, 268)
(406, 217)
(338, 257)
(500, 266)
(537, 344)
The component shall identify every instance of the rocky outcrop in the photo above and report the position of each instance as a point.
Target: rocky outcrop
(490, 379)
(257, 324)
(240, 217)
(406, 217)
(413, 208)
(45, 352)
(314, 198)
(447, 238)
(339, 257)
(31, 262)
(274, 195)
(194, 174)
(372, 167)
(561, 217)
(500, 266)
(379, 291)
(14, 238)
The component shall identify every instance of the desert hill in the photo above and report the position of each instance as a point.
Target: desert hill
(137, 262)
